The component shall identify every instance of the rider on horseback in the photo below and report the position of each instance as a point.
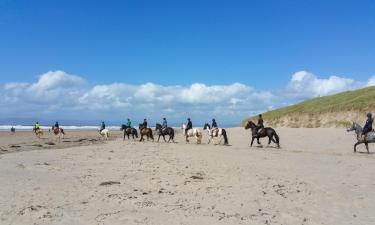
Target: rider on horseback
(37, 126)
(165, 124)
(189, 126)
(368, 126)
(128, 123)
(260, 125)
(57, 125)
(144, 124)
(214, 128)
(102, 127)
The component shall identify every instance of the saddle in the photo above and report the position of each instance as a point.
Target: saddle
(370, 136)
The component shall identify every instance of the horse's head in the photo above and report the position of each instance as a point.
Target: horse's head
(355, 126)
(122, 127)
(351, 128)
(183, 126)
(250, 125)
(158, 126)
(206, 126)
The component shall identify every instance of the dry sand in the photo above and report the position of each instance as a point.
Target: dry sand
(314, 179)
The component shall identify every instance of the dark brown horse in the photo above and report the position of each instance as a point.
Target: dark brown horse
(264, 132)
(167, 131)
(145, 131)
(129, 131)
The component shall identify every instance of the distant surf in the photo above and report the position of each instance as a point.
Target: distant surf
(29, 127)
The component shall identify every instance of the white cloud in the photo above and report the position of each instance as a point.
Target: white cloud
(57, 93)
(371, 81)
(304, 84)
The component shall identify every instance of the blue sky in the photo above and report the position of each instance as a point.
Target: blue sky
(260, 44)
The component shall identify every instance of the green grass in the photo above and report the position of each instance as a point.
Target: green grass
(358, 100)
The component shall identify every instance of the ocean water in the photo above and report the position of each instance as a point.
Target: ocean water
(29, 128)
(7, 127)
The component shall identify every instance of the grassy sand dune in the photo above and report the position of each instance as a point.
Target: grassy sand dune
(329, 111)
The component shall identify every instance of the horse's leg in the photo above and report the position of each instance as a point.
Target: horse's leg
(252, 141)
(269, 140)
(159, 137)
(368, 152)
(355, 146)
(258, 140)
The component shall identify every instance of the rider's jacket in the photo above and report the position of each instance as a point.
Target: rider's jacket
(368, 125)
(128, 123)
(189, 125)
(260, 123)
(103, 126)
(144, 124)
(214, 124)
(37, 126)
(165, 124)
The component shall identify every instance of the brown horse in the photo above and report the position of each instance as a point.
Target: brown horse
(265, 132)
(145, 131)
(58, 132)
(129, 131)
(162, 132)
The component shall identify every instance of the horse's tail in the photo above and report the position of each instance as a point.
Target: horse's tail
(151, 135)
(136, 133)
(172, 134)
(224, 133)
(277, 139)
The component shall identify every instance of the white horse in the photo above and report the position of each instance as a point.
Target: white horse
(370, 136)
(104, 133)
(192, 133)
(222, 133)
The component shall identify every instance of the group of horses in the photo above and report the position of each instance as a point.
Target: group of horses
(57, 131)
(170, 132)
(216, 136)
(218, 133)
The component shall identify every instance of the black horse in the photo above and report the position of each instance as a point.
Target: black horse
(265, 132)
(129, 131)
(145, 131)
(162, 132)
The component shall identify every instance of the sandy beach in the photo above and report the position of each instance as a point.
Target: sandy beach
(315, 178)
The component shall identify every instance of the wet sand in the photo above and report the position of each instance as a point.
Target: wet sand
(27, 140)
(315, 178)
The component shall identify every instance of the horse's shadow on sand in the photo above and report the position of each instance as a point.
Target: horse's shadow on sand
(364, 153)
(227, 145)
(267, 146)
